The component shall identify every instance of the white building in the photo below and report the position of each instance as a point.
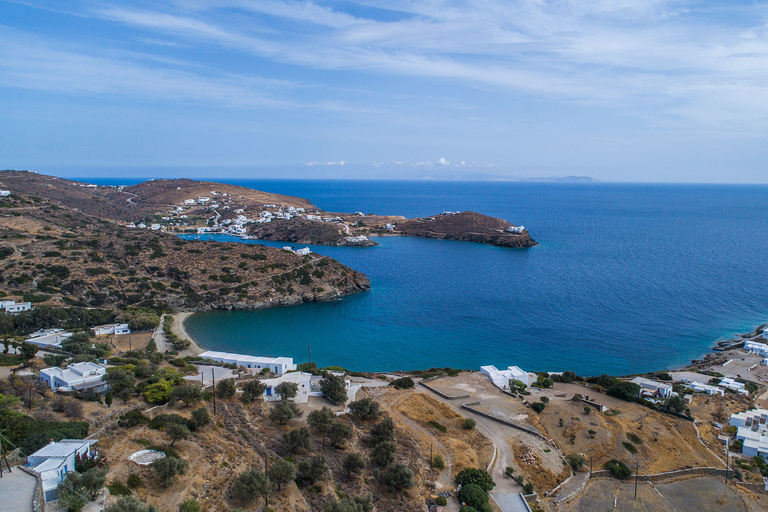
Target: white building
(653, 388)
(752, 430)
(4, 193)
(304, 251)
(756, 348)
(731, 384)
(76, 377)
(189, 201)
(115, 329)
(278, 365)
(54, 460)
(11, 306)
(501, 378)
(389, 227)
(516, 229)
(703, 388)
(47, 338)
(302, 380)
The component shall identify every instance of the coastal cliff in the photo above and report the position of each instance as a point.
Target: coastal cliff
(466, 227)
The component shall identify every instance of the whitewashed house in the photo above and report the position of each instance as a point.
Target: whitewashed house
(501, 378)
(516, 229)
(302, 380)
(731, 384)
(700, 387)
(76, 377)
(189, 202)
(11, 306)
(756, 348)
(46, 338)
(651, 388)
(278, 365)
(389, 227)
(4, 193)
(116, 329)
(752, 429)
(304, 251)
(54, 460)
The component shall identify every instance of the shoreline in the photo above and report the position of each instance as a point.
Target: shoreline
(194, 349)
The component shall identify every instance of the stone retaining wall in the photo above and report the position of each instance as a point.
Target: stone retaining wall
(658, 477)
(440, 393)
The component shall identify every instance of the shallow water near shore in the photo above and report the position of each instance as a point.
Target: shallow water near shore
(627, 278)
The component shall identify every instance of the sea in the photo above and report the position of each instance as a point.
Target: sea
(627, 278)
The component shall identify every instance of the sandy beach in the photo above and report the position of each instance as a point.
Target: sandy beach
(178, 329)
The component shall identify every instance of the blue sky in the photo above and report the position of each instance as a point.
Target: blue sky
(620, 90)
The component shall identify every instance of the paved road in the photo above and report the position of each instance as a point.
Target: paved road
(17, 490)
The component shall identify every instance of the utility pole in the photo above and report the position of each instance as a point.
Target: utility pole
(727, 455)
(213, 380)
(431, 458)
(637, 470)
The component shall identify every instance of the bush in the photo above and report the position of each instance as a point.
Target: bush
(321, 419)
(130, 504)
(509, 471)
(475, 476)
(623, 390)
(283, 412)
(190, 394)
(538, 406)
(253, 390)
(200, 418)
(576, 460)
(473, 495)
(469, 424)
(439, 426)
(296, 440)
(383, 453)
(354, 463)
(249, 485)
(168, 468)
(339, 433)
(312, 469)
(134, 481)
(630, 447)
(362, 503)
(618, 469)
(402, 383)
(281, 472)
(438, 462)
(226, 388)
(441, 501)
(634, 438)
(365, 408)
(189, 505)
(528, 488)
(395, 476)
(158, 392)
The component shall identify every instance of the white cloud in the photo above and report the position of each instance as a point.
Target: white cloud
(443, 161)
(326, 164)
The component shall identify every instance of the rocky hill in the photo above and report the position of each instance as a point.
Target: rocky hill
(467, 227)
(55, 254)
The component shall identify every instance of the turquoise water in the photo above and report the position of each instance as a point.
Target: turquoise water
(627, 278)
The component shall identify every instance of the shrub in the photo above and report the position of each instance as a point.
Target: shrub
(312, 468)
(296, 440)
(130, 504)
(200, 418)
(189, 505)
(441, 501)
(321, 419)
(618, 469)
(283, 412)
(118, 489)
(249, 485)
(354, 463)
(339, 433)
(362, 503)
(158, 392)
(395, 476)
(402, 383)
(528, 488)
(253, 390)
(475, 476)
(628, 391)
(190, 394)
(383, 453)
(576, 460)
(365, 408)
(134, 481)
(473, 495)
(281, 472)
(384, 430)
(587, 410)
(132, 418)
(538, 406)
(469, 424)
(442, 428)
(168, 468)
(226, 388)
(438, 462)
(509, 471)
(634, 438)
(630, 447)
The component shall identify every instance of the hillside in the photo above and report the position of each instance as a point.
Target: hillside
(55, 254)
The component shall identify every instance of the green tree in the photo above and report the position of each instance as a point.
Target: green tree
(618, 469)
(538, 406)
(130, 504)
(623, 390)
(119, 379)
(27, 351)
(71, 495)
(296, 440)
(438, 462)
(151, 346)
(283, 412)
(189, 505)
(159, 392)
(362, 503)
(675, 404)
(249, 485)
(396, 476)
(576, 460)
(475, 476)
(312, 469)
(287, 390)
(177, 432)
(339, 433)
(281, 472)
(253, 390)
(383, 453)
(226, 388)
(365, 408)
(354, 463)
(469, 424)
(384, 430)
(93, 481)
(334, 388)
(190, 394)
(108, 399)
(200, 418)
(473, 495)
(168, 468)
(402, 383)
(321, 419)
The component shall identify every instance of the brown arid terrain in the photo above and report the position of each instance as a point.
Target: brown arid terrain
(56, 254)
(183, 205)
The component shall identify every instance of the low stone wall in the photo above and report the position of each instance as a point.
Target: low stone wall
(38, 500)
(440, 393)
(668, 475)
(532, 431)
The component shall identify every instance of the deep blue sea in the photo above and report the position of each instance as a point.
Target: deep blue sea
(627, 278)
